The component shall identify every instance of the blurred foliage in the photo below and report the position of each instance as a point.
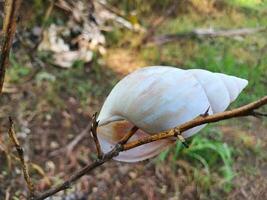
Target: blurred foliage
(210, 154)
(249, 3)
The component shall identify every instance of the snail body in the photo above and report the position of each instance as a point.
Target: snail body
(159, 98)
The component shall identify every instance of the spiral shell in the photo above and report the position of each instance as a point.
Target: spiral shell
(159, 98)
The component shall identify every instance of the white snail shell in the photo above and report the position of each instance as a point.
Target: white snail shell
(159, 98)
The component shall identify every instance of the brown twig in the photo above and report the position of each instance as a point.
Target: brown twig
(158, 21)
(200, 33)
(13, 138)
(125, 139)
(34, 166)
(46, 17)
(7, 196)
(67, 184)
(9, 28)
(73, 143)
(94, 133)
(247, 110)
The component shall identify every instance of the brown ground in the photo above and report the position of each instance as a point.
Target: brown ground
(48, 116)
(45, 131)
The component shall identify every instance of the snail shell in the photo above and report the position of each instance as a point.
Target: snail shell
(159, 98)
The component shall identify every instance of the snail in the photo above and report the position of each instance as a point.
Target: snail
(159, 98)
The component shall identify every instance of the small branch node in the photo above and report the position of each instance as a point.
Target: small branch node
(206, 113)
(118, 148)
(130, 133)
(180, 137)
(258, 114)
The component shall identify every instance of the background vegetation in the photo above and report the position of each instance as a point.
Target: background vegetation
(52, 103)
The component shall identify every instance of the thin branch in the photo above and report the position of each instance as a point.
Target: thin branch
(246, 110)
(158, 22)
(88, 168)
(128, 135)
(117, 15)
(201, 33)
(259, 114)
(13, 138)
(45, 19)
(94, 133)
(11, 10)
(34, 166)
(73, 143)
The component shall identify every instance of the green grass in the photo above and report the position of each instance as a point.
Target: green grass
(205, 154)
(244, 57)
(255, 4)
(17, 71)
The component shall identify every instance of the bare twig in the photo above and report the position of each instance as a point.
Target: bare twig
(7, 196)
(46, 17)
(73, 143)
(118, 17)
(67, 184)
(34, 166)
(259, 114)
(156, 23)
(200, 33)
(125, 139)
(8, 32)
(94, 133)
(247, 110)
(12, 136)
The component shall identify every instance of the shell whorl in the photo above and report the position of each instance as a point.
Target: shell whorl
(233, 84)
(221, 89)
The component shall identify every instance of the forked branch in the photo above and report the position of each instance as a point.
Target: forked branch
(247, 110)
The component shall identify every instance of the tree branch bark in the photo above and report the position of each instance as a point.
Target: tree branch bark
(24, 166)
(247, 110)
(201, 33)
(11, 10)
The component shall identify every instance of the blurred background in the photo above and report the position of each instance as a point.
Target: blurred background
(68, 54)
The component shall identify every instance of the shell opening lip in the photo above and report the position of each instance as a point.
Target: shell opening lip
(106, 121)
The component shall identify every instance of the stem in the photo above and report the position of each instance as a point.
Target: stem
(11, 10)
(246, 110)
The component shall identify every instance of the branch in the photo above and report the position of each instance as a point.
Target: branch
(157, 23)
(247, 110)
(72, 144)
(13, 138)
(127, 136)
(94, 134)
(9, 28)
(88, 168)
(200, 33)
